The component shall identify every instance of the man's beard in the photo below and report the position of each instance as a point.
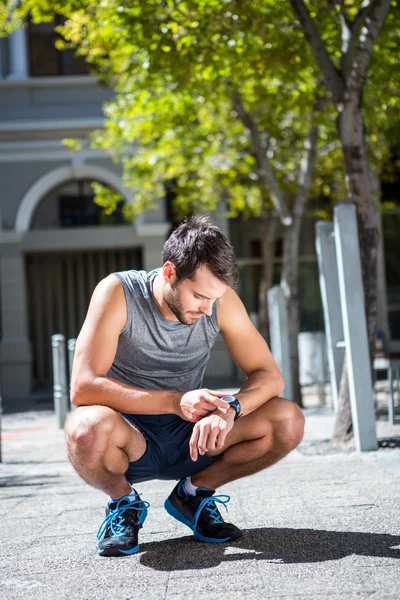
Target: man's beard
(171, 297)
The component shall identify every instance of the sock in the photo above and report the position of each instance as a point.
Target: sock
(188, 487)
(131, 496)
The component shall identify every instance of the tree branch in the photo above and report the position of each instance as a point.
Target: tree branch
(355, 28)
(331, 75)
(308, 160)
(346, 58)
(361, 16)
(346, 26)
(264, 167)
(343, 14)
(369, 23)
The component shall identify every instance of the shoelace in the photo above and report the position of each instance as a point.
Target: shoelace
(116, 518)
(209, 505)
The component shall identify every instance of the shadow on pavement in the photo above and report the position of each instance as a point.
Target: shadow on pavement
(269, 544)
(29, 481)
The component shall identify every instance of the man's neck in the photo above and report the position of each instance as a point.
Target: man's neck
(158, 293)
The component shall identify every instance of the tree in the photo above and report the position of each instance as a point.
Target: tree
(215, 108)
(219, 96)
(343, 55)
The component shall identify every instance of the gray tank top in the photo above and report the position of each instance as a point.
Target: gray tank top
(153, 352)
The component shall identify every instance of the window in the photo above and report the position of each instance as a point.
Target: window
(72, 205)
(78, 209)
(45, 59)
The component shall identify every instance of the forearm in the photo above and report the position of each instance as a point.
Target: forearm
(259, 387)
(125, 398)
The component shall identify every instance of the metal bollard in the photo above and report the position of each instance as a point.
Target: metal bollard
(60, 387)
(279, 333)
(71, 352)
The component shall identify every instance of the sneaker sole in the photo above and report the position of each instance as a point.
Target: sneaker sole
(174, 512)
(117, 552)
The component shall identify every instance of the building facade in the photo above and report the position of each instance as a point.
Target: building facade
(56, 244)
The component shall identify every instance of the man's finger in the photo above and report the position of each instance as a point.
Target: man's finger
(217, 402)
(193, 444)
(216, 393)
(203, 439)
(200, 413)
(208, 406)
(212, 439)
(221, 440)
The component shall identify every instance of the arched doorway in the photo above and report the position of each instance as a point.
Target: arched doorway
(60, 280)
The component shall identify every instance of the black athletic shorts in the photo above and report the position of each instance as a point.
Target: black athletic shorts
(167, 454)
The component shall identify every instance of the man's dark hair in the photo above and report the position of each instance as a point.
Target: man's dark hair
(197, 242)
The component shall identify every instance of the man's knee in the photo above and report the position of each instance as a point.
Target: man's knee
(86, 426)
(288, 422)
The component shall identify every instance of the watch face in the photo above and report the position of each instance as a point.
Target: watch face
(228, 398)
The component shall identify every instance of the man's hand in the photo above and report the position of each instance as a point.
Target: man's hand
(210, 433)
(196, 404)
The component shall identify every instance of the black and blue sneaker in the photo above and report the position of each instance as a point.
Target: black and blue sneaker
(118, 533)
(200, 513)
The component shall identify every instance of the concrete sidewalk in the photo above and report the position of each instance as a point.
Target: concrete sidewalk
(317, 525)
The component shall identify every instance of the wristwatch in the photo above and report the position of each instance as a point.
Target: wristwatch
(233, 401)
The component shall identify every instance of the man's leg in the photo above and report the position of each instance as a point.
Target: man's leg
(100, 446)
(255, 442)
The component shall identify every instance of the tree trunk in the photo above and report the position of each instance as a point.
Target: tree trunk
(382, 307)
(291, 248)
(343, 431)
(346, 86)
(292, 225)
(352, 134)
(268, 230)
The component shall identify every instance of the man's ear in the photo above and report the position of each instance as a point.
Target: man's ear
(169, 273)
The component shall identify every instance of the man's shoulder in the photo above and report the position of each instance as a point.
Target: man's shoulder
(230, 301)
(230, 307)
(133, 277)
(131, 274)
(109, 289)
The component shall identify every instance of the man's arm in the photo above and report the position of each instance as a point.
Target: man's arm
(95, 351)
(250, 352)
(252, 355)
